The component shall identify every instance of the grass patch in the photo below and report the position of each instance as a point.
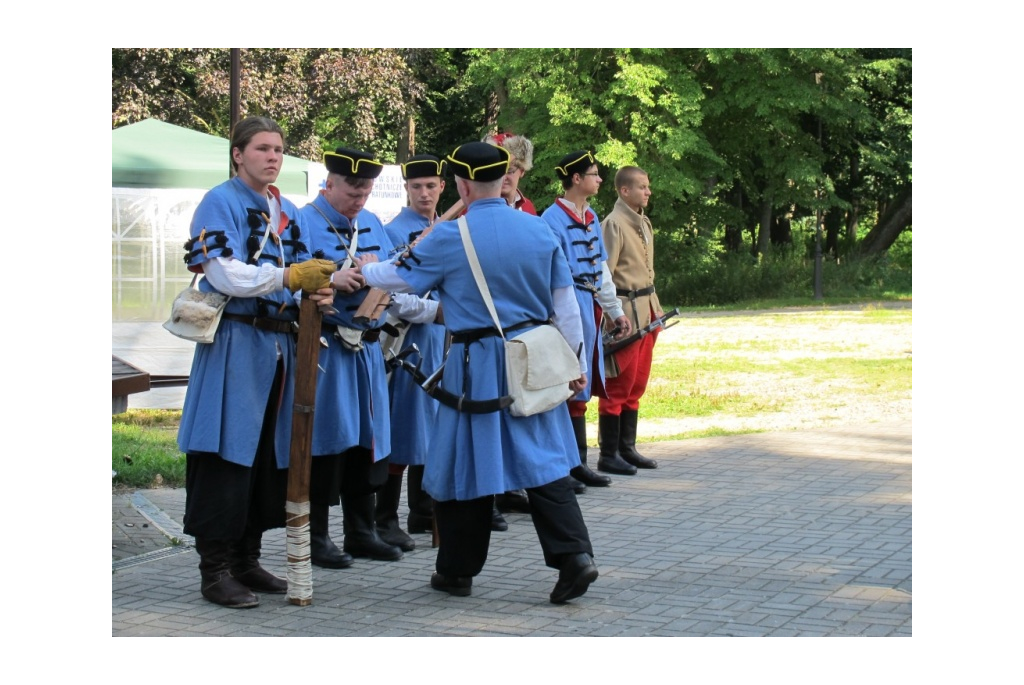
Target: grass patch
(713, 432)
(884, 376)
(144, 449)
(808, 303)
(735, 373)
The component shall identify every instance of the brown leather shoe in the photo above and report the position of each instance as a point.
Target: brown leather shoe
(218, 585)
(246, 569)
(224, 589)
(259, 579)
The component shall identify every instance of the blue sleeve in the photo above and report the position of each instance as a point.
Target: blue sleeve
(424, 267)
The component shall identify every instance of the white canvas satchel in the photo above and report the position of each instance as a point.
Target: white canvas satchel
(196, 315)
(539, 364)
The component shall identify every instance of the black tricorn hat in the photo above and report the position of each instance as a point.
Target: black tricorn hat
(348, 162)
(422, 166)
(479, 161)
(575, 163)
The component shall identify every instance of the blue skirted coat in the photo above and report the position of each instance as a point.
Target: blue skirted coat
(413, 411)
(231, 378)
(474, 455)
(351, 391)
(584, 249)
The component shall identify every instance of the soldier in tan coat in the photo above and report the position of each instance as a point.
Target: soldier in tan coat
(629, 242)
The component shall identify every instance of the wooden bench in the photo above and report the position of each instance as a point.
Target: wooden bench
(127, 380)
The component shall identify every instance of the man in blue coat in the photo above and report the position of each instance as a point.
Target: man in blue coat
(578, 229)
(351, 428)
(477, 455)
(413, 411)
(236, 421)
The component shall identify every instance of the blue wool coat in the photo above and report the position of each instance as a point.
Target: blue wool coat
(230, 381)
(413, 411)
(474, 455)
(352, 391)
(584, 249)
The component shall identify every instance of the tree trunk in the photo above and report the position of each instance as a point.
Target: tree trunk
(406, 141)
(853, 216)
(782, 231)
(733, 239)
(833, 221)
(496, 100)
(764, 232)
(891, 223)
(734, 233)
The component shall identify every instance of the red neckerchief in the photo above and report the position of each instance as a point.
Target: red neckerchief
(571, 211)
(284, 217)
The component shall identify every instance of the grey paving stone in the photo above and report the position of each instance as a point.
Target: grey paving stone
(796, 533)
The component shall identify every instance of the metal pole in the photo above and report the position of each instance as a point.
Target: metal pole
(235, 94)
(818, 229)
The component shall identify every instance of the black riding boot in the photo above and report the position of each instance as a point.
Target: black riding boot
(386, 515)
(498, 522)
(218, 585)
(323, 552)
(608, 437)
(421, 506)
(583, 473)
(245, 566)
(361, 539)
(513, 500)
(627, 441)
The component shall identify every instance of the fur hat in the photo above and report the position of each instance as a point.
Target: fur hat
(519, 147)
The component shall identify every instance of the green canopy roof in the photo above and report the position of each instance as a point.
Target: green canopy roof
(155, 154)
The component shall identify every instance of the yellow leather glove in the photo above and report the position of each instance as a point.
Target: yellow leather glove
(311, 275)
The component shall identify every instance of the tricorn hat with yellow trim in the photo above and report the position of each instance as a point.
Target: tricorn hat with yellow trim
(479, 162)
(423, 166)
(575, 163)
(354, 163)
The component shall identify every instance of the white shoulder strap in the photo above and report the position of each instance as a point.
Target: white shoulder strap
(478, 274)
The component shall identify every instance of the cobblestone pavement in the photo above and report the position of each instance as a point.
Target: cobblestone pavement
(791, 533)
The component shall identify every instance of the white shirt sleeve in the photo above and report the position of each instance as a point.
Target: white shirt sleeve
(607, 298)
(384, 275)
(567, 320)
(236, 278)
(413, 309)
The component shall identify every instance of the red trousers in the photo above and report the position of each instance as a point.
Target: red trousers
(625, 390)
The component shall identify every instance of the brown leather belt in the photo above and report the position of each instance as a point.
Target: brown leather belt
(263, 323)
(649, 290)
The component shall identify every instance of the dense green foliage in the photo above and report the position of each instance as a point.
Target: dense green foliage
(706, 274)
(745, 148)
(321, 97)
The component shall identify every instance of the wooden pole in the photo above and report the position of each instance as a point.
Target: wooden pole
(452, 212)
(307, 357)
